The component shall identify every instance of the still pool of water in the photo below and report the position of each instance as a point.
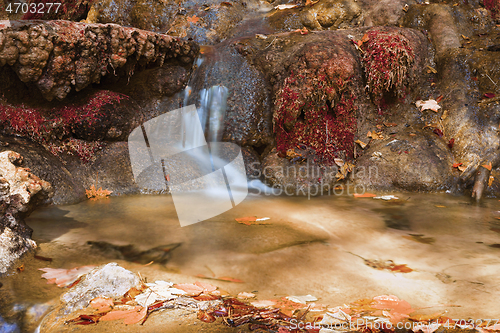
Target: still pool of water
(315, 246)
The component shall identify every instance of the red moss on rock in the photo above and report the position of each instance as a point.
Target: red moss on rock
(494, 7)
(315, 107)
(388, 60)
(54, 128)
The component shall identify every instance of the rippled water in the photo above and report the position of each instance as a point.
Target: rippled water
(309, 247)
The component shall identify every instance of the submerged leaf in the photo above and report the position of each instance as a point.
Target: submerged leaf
(428, 105)
(64, 277)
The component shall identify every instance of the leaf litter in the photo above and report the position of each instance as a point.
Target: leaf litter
(276, 315)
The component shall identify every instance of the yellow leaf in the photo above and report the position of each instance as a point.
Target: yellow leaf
(361, 143)
(490, 180)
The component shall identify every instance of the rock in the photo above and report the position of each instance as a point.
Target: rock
(421, 162)
(20, 192)
(109, 280)
(331, 14)
(59, 56)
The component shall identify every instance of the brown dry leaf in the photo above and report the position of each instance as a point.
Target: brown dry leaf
(21, 268)
(363, 39)
(361, 143)
(487, 166)
(396, 309)
(193, 19)
(252, 220)
(102, 304)
(129, 317)
(390, 124)
(462, 168)
(64, 277)
(465, 37)
(364, 195)
(94, 194)
(490, 180)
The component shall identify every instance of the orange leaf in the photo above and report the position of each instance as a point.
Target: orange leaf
(364, 195)
(129, 317)
(207, 288)
(193, 19)
(229, 279)
(487, 166)
(252, 220)
(64, 277)
(456, 165)
(401, 268)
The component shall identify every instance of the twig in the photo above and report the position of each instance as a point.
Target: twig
(490, 79)
(489, 100)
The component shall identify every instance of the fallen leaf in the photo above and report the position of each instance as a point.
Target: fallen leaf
(438, 132)
(85, 319)
(465, 37)
(440, 206)
(263, 303)
(487, 166)
(361, 143)
(282, 7)
(364, 195)
(261, 36)
(245, 295)
(227, 4)
(129, 317)
(374, 135)
(456, 165)
(229, 279)
(102, 304)
(428, 105)
(252, 220)
(462, 167)
(490, 180)
(397, 309)
(340, 162)
(205, 317)
(43, 258)
(451, 143)
(207, 288)
(439, 99)
(64, 277)
(390, 124)
(302, 299)
(94, 194)
(20, 268)
(387, 197)
(193, 19)
(489, 95)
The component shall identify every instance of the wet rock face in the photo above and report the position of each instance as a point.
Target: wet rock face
(207, 23)
(20, 192)
(59, 56)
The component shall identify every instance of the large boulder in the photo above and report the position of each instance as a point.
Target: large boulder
(20, 192)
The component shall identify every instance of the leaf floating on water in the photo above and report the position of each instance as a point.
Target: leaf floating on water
(428, 105)
(64, 277)
(364, 195)
(252, 220)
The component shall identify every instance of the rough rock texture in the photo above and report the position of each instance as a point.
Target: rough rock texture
(207, 23)
(59, 56)
(20, 192)
(109, 280)
(331, 14)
